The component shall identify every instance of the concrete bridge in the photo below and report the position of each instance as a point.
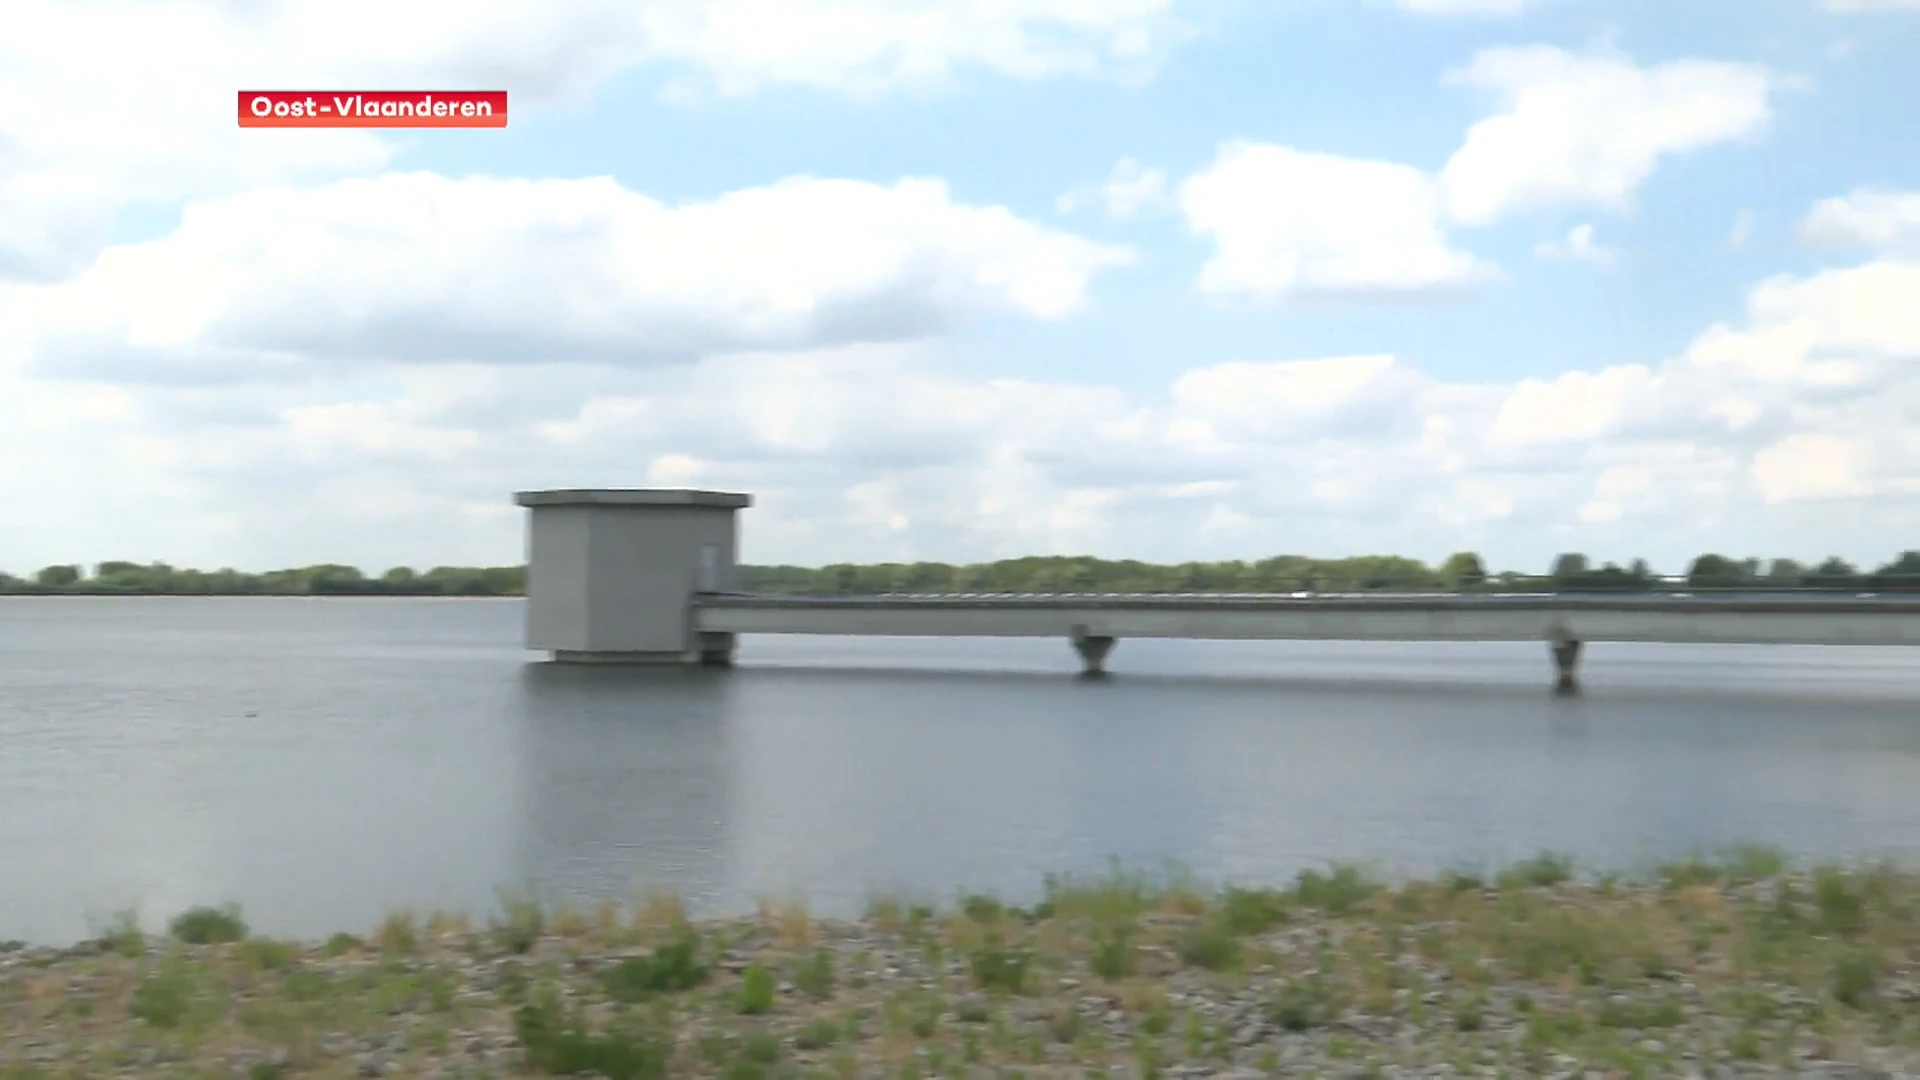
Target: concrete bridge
(650, 576)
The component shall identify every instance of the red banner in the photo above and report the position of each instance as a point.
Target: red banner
(373, 108)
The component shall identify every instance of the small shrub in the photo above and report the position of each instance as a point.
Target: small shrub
(266, 954)
(817, 1035)
(561, 1044)
(1754, 862)
(1841, 899)
(1543, 871)
(340, 945)
(514, 984)
(1472, 1016)
(1251, 911)
(162, 999)
(1064, 1024)
(972, 1012)
(1001, 969)
(1687, 873)
(1744, 1045)
(208, 925)
(1855, 976)
(1112, 953)
(1337, 891)
(1463, 880)
(814, 975)
(756, 992)
(399, 934)
(1120, 895)
(1302, 1005)
(716, 1046)
(123, 935)
(669, 969)
(924, 1020)
(306, 985)
(521, 924)
(760, 1047)
(982, 909)
(1209, 946)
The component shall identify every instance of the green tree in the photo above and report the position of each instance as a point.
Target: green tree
(1569, 566)
(58, 577)
(1463, 570)
(1785, 572)
(1715, 571)
(1902, 574)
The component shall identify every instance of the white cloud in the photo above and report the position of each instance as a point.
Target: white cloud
(1865, 217)
(865, 46)
(870, 451)
(1497, 8)
(1810, 466)
(1576, 407)
(424, 268)
(1579, 246)
(1130, 188)
(1589, 129)
(1287, 222)
(115, 104)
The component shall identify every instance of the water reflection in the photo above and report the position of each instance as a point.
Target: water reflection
(629, 780)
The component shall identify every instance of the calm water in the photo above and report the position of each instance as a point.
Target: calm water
(323, 762)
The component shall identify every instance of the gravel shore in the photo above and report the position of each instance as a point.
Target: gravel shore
(1735, 968)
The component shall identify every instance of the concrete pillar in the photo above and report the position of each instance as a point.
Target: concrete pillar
(1093, 650)
(1566, 659)
(716, 650)
(612, 573)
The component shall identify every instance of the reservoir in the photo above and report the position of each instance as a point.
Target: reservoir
(325, 762)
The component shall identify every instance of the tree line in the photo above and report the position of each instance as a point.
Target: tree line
(1463, 571)
(160, 579)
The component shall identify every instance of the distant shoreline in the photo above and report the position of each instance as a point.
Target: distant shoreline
(1280, 575)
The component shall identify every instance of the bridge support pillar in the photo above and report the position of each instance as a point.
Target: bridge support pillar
(716, 650)
(1566, 662)
(1093, 650)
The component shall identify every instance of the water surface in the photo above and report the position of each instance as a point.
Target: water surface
(323, 762)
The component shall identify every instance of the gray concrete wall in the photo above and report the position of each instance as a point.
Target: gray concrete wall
(645, 569)
(1318, 620)
(558, 573)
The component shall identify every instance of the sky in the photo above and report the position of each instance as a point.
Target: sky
(967, 279)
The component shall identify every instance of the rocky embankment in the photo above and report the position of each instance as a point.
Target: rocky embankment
(1732, 969)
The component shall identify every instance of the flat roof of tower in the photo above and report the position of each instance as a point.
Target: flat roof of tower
(723, 500)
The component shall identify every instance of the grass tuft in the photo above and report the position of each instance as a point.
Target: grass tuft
(163, 998)
(1211, 946)
(560, 1042)
(671, 968)
(1339, 890)
(1543, 871)
(1000, 969)
(521, 922)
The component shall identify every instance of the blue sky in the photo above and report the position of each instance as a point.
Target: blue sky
(1620, 277)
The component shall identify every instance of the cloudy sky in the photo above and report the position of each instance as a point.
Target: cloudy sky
(960, 279)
